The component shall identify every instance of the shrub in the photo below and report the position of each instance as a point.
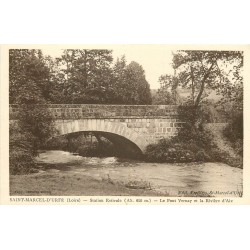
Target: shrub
(193, 142)
(202, 156)
(239, 147)
(192, 131)
(169, 151)
(234, 131)
(218, 155)
(21, 150)
(28, 134)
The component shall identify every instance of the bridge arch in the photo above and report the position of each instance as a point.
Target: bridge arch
(103, 126)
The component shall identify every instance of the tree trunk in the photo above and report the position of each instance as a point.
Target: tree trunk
(85, 69)
(197, 102)
(192, 79)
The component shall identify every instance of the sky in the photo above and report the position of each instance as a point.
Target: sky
(155, 60)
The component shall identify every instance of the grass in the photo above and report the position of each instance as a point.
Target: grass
(70, 184)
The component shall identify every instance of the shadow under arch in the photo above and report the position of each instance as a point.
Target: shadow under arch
(117, 132)
(123, 147)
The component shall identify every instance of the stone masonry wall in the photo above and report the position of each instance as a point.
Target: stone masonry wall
(83, 111)
(153, 122)
(152, 129)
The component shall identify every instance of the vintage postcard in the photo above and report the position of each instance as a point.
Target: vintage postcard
(124, 124)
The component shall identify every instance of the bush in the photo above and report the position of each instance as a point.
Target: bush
(170, 151)
(192, 131)
(57, 143)
(238, 146)
(202, 156)
(234, 131)
(21, 151)
(193, 143)
(221, 156)
(21, 162)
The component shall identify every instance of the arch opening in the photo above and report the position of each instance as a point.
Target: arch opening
(99, 144)
(122, 134)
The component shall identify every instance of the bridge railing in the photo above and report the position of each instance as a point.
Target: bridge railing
(83, 111)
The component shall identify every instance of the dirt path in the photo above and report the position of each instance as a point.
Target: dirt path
(222, 143)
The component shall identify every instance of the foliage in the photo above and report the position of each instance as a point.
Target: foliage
(87, 76)
(213, 112)
(37, 120)
(169, 86)
(201, 71)
(192, 143)
(234, 131)
(129, 84)
(83, 76)
(139, 86)
(29, 78)
(193, 120)
(21, 150)
(163, 97)
(173, 151)
(195, 143)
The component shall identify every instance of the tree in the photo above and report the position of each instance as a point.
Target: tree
(85, 75)
(163, 97)
(129, 83)
(168, 92)
(119, 81)
(29, 81)
(29, 77)
(202, 71)
(138, 84)
(56, 81)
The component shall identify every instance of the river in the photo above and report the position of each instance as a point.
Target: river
(171, 179)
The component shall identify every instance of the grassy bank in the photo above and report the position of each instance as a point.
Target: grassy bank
(71, 184)
(207, 145)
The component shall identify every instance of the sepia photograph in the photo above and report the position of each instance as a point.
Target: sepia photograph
(124, 125)
(127, 120)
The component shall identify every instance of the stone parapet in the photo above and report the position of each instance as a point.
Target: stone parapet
(83, 111)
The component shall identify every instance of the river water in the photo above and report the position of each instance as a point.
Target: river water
(172, 179)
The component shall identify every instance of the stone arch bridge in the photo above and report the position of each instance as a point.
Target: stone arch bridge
(133, 127)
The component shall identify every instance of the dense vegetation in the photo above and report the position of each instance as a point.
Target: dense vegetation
(28, 80)
(234, 130)
(90, 76)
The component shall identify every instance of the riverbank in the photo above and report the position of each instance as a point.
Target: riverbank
(206, 145)
(63, 173)
(70, 184)
(226, 151)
